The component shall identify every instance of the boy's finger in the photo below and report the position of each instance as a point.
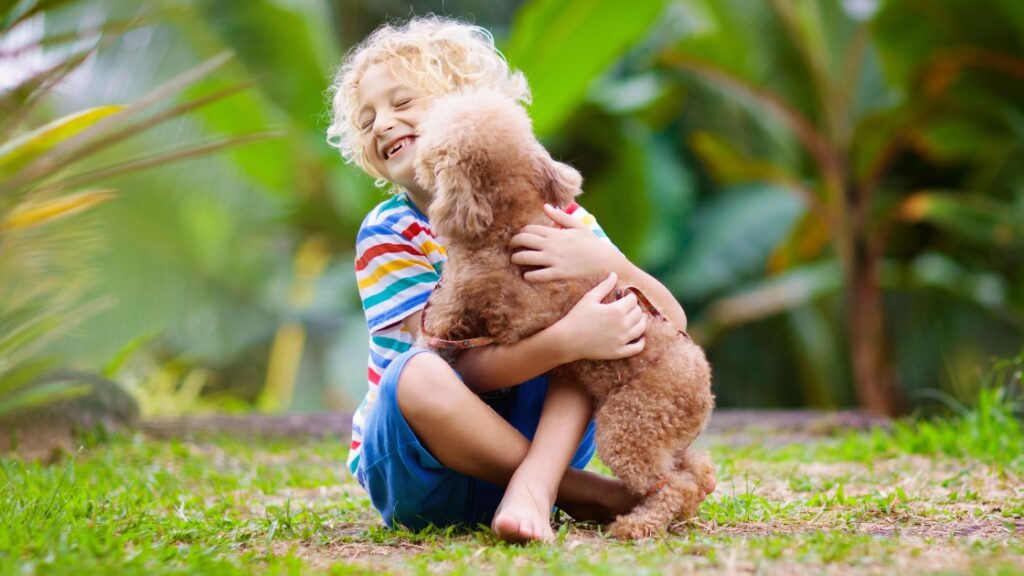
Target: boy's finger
(634, 316)
(542, 275)
(537, 229)
(531, 258)
(627, 302)
(526, 240)
(562, 218)
(633, 349)
(603, 288)
(637, 330)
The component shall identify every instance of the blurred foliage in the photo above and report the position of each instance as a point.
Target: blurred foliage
(848, 116)
(835, 194)
(47, 173)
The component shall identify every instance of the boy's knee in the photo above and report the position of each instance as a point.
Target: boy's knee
(422, 386)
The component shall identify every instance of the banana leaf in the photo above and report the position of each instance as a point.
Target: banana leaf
(546, 34)
(734, 234)
(974, 218)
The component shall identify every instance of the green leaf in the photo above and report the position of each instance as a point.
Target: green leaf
(949, 139)
(277, 44)
(767, 297)
(733, 236)
(17, 102)
(818, 355)
(14, 378)
(629, 94)
(26, 216)
(6, 13)
(626, 223)
(10, 17)
(919, 40)
(969, 216)
(25, 336)
(114, 366)
(804, 242)
(79, 145)
(271, 163)
(161, 158)
(729, 166)
(562, 46)
(751, 43)
(936, 271)
(20, 151)
(671, 188)
(42, 394)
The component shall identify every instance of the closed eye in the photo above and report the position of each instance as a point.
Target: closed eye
(403, 102)
(366, 125)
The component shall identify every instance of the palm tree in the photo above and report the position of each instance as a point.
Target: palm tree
(845, 104)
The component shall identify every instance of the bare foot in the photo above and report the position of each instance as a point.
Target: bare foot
(605, 498)
(523, 515)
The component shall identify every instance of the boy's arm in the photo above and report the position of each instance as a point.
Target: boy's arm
(583, 333)
(492, 367)
(655, 290)
(575, 252)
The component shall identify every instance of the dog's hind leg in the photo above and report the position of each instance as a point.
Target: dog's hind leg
(634, 444)
(679, 492)
(698, 463)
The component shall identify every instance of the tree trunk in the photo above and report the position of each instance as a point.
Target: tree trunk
(874, 379)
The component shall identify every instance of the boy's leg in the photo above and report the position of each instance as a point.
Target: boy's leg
(466, 435)
(524, 512)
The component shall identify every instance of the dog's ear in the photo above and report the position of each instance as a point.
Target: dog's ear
(559, 183)
(459, 208)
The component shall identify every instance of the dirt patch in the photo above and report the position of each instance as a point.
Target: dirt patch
(905, 549)
(375, 557)
(47, 442)
(992, 529)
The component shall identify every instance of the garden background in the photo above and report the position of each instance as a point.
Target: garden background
(833, 189)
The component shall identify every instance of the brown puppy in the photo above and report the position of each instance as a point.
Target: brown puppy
(490, 178)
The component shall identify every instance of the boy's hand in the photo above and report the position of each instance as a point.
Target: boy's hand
(596, 331)
(572, 252)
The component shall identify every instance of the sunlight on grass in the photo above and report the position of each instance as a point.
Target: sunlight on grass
(923, 494)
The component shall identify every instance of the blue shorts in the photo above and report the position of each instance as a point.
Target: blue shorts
(410, 488)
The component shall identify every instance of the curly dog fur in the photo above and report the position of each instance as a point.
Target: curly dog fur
(490, 177)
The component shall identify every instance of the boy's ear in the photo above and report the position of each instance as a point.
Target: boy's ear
(559, 183)
(459, 209)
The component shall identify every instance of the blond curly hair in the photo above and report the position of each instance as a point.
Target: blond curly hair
(436, 54)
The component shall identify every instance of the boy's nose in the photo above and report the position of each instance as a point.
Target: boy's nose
(383, 124)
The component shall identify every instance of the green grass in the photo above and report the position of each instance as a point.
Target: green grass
(925, 496)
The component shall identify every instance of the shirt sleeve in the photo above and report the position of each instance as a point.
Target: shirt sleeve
(395, 277)
(580, 213)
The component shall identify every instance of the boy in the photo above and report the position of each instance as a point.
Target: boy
(433, 443)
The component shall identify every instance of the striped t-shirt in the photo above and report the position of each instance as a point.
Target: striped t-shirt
(398, 263)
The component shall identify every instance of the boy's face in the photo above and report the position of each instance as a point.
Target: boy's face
(389, 112)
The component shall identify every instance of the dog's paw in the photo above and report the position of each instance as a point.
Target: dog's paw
(698, 463)
(630, 527)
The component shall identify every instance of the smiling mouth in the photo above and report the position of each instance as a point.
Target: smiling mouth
(398, 146)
